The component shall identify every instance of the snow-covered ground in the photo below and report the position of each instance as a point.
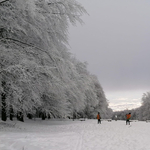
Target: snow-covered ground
(74, 135)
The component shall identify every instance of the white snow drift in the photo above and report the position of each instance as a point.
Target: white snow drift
(74, 135)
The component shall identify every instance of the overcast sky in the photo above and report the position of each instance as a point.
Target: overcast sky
(115, 41)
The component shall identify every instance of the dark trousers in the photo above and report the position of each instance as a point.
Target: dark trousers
(99, 121)
(127, 121)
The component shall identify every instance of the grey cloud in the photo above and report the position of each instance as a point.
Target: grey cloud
(115, 42)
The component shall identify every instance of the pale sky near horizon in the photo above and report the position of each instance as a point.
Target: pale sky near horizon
(114, 41)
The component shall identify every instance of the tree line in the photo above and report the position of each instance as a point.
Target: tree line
(38, 74)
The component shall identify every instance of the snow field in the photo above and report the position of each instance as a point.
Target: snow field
(74, 135)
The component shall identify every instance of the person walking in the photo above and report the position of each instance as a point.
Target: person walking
(99, 118)
(128, 116)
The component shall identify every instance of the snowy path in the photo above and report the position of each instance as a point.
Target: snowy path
(77, 135)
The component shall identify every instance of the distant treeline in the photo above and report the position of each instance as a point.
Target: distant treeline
(142, 113)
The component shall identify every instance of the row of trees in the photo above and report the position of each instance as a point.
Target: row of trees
(38, 74)
(142, 113)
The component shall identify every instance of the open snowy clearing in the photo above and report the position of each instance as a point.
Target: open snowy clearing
(74, 135)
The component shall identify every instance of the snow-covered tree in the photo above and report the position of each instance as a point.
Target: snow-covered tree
(144, 111)
(32, 33)
(101, 103)
(37, 72)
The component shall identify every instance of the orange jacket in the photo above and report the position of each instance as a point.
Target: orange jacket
(98, 116)
(128, 116)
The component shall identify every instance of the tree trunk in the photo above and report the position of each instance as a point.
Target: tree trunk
(43, 116)
(20, 116)
(4, 117)
(30, 116)
(11, 113)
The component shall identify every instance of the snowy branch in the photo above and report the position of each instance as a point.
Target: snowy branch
(56, 3)
(30, 45)
(3, 1)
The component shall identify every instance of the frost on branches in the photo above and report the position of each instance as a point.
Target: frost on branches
(38, 74)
